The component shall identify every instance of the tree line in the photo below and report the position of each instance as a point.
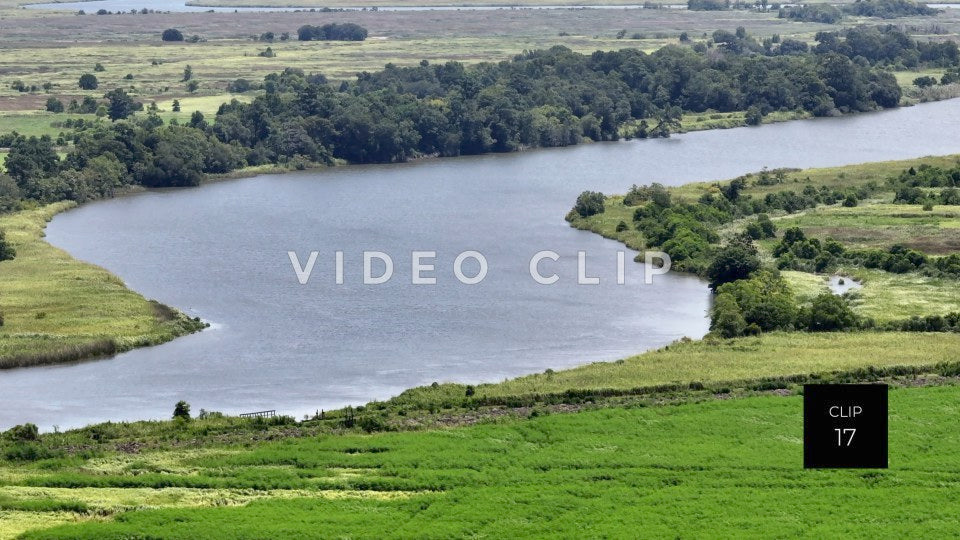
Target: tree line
(553, 97)
(830, 14)
(332, 32)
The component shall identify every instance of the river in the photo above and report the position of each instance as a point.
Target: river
(220, 252)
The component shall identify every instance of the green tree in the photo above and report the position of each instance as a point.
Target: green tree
(187, 73)
(25, 432)
(121, 104)
(182, 410)
(830, 313)
(54, 105)
(736, 260)
(176, 105)
(589, 203)
(32, 158)
(88, 81)
(726, 318)
(765, 300)
(171, 34)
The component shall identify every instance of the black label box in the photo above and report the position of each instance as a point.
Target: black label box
(845, 426)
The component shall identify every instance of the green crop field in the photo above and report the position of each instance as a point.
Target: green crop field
(713, 469)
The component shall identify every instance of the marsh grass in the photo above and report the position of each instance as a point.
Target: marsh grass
(57, 309)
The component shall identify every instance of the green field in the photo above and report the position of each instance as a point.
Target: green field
(58, 309)
(883, 224)
(722, 468)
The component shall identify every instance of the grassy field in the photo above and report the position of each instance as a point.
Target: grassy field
(884, 224)
(59, 309)
(126, 44)
(721, 468)
(713, 361)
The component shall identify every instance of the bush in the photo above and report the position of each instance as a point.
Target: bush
(54, 105)
(7, 253)
(829, 313)
(171, 34)
(708, 5)
(765, 301)
(25, 432)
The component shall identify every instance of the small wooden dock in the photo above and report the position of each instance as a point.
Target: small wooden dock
(259, 414)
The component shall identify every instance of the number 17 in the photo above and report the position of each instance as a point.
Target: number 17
(841, 433)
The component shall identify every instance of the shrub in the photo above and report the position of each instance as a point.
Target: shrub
(7, 253)
(54, 105)
(25, 432)
(171, 34)
(765, 301)
(829, 313)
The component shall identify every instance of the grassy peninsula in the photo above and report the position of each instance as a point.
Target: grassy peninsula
(58, 309)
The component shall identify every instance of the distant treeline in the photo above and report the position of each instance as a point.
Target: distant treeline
(828, 14)
(332, 32)
(552, 97)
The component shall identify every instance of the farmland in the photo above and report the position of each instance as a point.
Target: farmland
(619, 471)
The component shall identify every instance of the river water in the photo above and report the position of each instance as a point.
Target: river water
(220, 252)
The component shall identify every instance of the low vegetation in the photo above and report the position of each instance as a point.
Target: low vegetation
(725, 461)
(57, 309)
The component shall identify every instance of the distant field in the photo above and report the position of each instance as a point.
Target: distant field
(835, 177)
(734, 465)
(37, 122)
(56, 308)
(883, 225)
(56, 48)
(712, 361)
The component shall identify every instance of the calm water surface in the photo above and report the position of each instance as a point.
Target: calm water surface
(220, 252)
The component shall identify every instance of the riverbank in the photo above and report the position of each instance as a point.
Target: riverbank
(726, 411)
(57, 309)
